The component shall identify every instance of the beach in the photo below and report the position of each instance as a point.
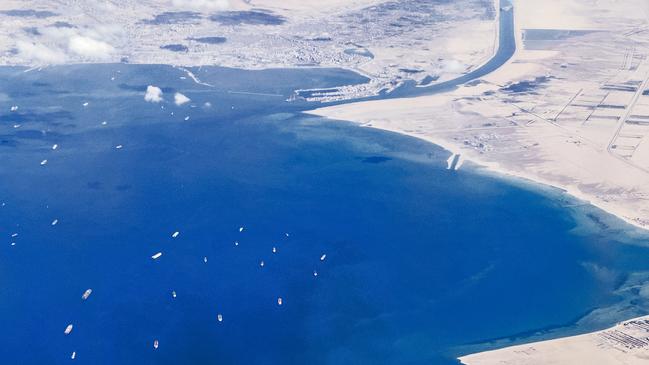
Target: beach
(539, 117)
(624, 343)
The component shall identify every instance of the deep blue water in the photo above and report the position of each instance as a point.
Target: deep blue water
(419, 259)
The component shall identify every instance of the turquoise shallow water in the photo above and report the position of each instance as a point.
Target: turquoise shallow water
(419, 260)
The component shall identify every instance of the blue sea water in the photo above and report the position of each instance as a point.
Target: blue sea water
(419, 260)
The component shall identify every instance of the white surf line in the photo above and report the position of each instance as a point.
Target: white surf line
(253, 93)
(35, 68)
(193, 77)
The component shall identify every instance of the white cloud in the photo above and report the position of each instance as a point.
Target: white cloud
(59, 45)
(452, 66)
(40, 53)
(205, 5)
(181, 99)
(90, 48)
(153, 94)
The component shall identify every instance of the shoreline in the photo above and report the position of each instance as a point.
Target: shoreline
(360, 113)
(514, 120)
(539, 186)
(496, 168)
(621, 343)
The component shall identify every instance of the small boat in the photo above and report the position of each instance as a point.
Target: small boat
(323, 257)
(86, 294)
(85, 104)
(274, 249)
(173, 293)
(74, 355)
(156, 256)
(279, 301)
(205, 259)
(55, 146)
(14, 235)
(44, 162)
(68, 329)
(262, 263)
(55, 222)
(315, 273)
(155, 344)
(119, 147)
(240, 229)
(236, 243)
(175, 234)
(219, 317)
(14, 108)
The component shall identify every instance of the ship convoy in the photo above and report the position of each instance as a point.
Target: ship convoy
(155, 257)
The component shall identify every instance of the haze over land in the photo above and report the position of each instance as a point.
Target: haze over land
(385, 40)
